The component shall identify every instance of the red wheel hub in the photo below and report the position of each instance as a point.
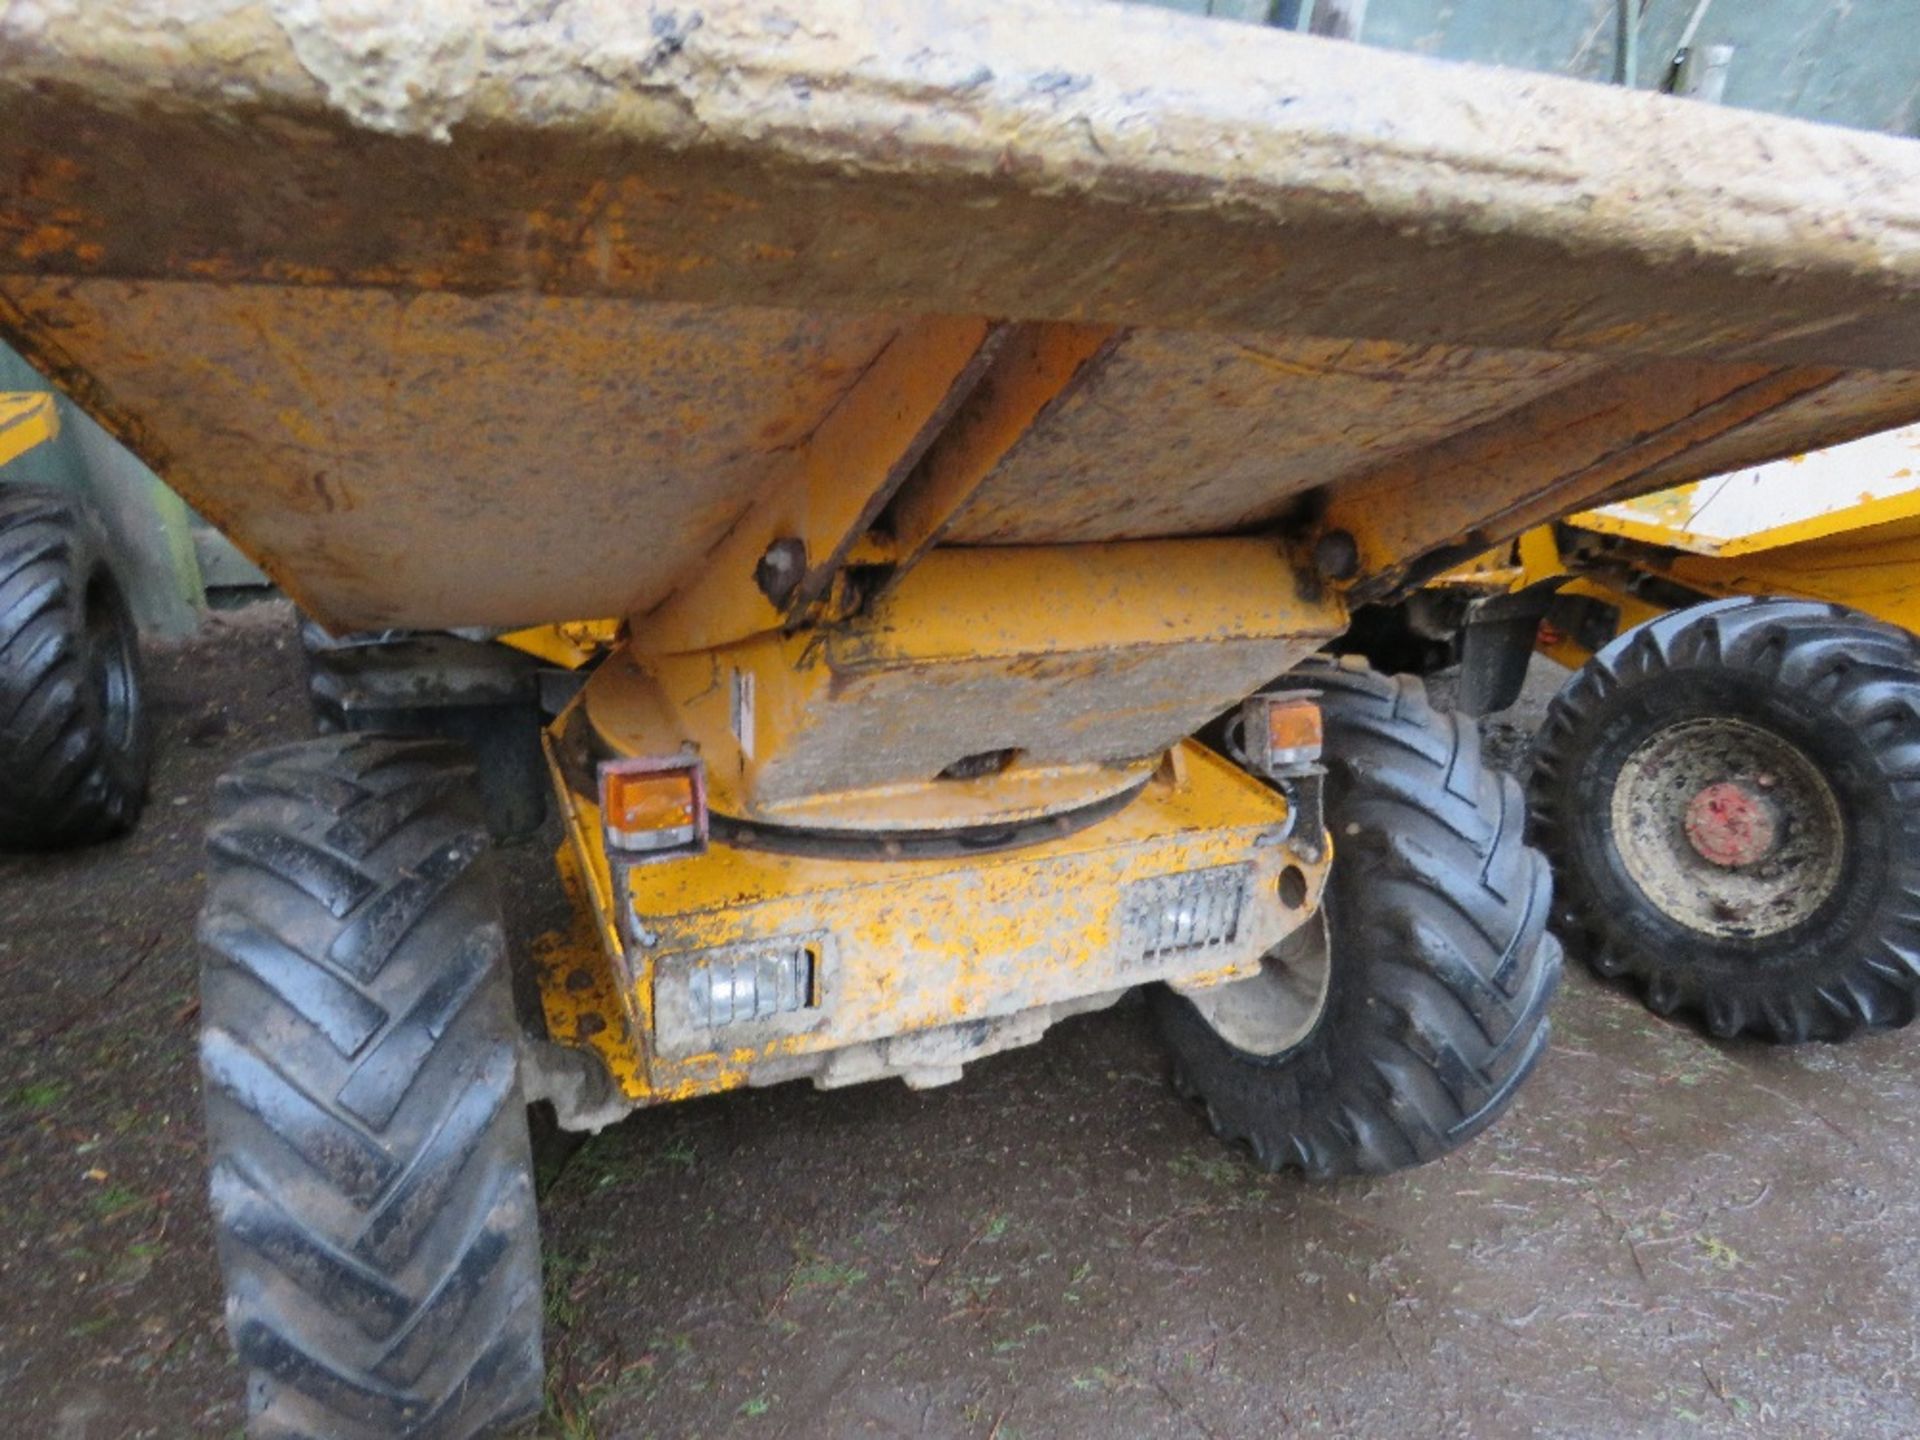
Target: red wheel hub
(1731, 824)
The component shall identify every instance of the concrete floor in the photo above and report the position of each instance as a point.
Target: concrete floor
(1666, 1237)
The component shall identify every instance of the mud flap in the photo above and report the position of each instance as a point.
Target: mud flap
(1495, 645)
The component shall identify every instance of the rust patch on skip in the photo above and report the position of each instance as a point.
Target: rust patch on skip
(547, 296)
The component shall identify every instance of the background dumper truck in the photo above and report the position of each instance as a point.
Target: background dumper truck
(962, 407)
(1724, 783)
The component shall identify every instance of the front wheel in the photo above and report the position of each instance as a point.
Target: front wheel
(1401, 1022)
(372, 1181)
(1731, 797)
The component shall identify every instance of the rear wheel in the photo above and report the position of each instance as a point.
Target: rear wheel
(73, 732)
(1731, 796)
(372, 1184)
(1402, 1022)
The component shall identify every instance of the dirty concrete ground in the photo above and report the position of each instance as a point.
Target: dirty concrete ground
(1666, 1237)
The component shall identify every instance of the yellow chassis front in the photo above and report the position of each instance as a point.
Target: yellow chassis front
(922, 965)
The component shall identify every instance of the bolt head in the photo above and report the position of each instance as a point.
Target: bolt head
(780, 570)
(1336, 555)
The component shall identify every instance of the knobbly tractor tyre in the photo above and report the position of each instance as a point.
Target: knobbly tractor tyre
(73, 734)
(371, 1177)
(437, 685)
(1401, 1021)
(1731, 798)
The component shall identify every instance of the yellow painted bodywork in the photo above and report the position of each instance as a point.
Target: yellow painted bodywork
(1086, 665)
(1658, 519)
(908, 946)
(28, 418)
(833, 487)
(1865, 556)
(1873, 568)
(1083, 663)
(1558, 645)
(667, 705)
(572, 645)
(582, 999)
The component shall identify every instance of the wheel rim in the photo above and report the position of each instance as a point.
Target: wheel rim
(110, 665)
(1727, 828)
(1268, 1014)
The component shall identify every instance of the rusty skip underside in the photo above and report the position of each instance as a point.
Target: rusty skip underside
(470, 313)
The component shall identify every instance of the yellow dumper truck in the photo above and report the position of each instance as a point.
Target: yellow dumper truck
(1726, 784)
(961, 407)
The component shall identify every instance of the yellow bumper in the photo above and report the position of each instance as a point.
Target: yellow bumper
(860, 968)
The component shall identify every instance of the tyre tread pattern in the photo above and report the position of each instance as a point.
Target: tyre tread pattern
(1439, 912)
(1867, 674)
(372, 1180)
(63, 780)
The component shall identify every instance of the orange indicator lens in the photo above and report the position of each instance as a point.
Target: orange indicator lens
(654, 805)
(1293, 730)
(650, 802)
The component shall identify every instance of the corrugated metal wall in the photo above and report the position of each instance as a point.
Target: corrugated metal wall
(1854, 63)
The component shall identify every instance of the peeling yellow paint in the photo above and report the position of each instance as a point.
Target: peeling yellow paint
(913, 945)
(28, 419)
